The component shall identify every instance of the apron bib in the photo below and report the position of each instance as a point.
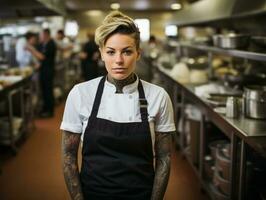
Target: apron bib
(117, 158)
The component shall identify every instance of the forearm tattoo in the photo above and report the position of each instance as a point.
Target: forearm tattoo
(119, 84)
(70, 145)
(162, 166)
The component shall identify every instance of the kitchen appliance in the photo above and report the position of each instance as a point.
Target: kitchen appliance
(230, 41)
(255, 101)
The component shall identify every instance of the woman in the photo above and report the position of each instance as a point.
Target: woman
(117, 116)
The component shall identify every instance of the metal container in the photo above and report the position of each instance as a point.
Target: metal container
(222, 164)
(221, 184)
(255, 101)
(230, 41)
(232, 107)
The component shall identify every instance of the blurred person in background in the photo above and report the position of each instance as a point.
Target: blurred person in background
(89, 59)
(151, 51)
(46, 54)
(64, 46)
(152, 48)
(23, 56)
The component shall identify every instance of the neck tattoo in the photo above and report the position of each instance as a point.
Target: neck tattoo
(119, 84)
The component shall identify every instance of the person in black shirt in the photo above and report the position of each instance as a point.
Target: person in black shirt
(89, 59)
(48, 49)
(46, 54)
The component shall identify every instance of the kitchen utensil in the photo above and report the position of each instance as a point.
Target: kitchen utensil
(230, 41)
(232, 107)
(222, 164)
(255, 101)
(220, 183)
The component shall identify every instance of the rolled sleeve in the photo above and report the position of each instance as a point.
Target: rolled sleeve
(71, 119)
(165, 117)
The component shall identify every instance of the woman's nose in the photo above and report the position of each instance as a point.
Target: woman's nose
(119, 59)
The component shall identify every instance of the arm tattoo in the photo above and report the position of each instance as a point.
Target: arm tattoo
(162, 168)
(70, 145)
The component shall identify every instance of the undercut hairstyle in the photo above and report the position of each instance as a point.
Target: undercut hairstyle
(116, 22)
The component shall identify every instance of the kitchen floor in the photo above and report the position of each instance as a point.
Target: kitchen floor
(35, 172)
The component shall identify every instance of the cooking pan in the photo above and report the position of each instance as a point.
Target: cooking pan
(244, 80)
(231, 41)
(255, 101)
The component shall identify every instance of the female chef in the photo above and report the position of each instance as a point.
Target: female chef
(125, 125)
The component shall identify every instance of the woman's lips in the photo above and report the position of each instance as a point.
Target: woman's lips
(119, 70)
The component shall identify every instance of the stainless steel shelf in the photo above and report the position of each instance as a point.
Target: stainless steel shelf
(231, 52)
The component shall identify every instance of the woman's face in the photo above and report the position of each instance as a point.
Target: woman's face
(120, 55)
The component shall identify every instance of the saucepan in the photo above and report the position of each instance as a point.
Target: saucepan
(242, 80)
(231, 40)
(255, 101)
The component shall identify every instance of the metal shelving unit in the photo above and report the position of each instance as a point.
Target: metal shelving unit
(231, 52)
(7, 95)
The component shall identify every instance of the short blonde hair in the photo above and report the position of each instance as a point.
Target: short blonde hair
(116, 22)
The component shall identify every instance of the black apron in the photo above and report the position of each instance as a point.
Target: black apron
(117, 158)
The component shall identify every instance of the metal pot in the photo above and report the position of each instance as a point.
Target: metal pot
(242, 80)
(230, 41)
(255, 101)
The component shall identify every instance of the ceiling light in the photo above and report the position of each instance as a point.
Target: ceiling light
(115, 6)
(176, 6)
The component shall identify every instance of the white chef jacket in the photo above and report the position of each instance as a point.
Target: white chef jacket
(23, 56)
(117, 107)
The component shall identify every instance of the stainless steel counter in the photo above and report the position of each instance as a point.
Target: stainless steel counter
(251, 131)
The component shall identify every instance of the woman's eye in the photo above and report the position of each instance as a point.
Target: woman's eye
(128, 52)
(110, 52)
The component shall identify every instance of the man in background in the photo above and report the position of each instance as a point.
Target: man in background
(46, 54)
(23, 56)
(89, 59)
(63, 45)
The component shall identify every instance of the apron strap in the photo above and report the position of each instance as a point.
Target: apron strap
(143, 104)
(142, 100)
(98, 98)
